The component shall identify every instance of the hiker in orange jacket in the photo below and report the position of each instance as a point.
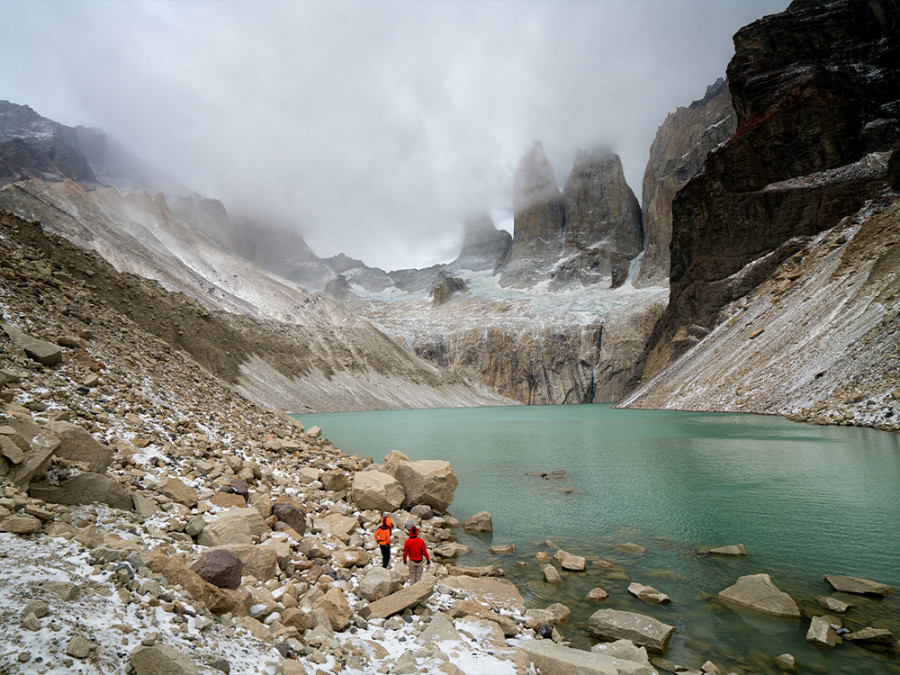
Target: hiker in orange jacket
(415, 550)
(383, 539)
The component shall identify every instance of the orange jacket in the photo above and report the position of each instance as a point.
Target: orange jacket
(383, 536)
(383, 533)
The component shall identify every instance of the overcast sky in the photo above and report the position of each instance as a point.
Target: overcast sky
(373, 127)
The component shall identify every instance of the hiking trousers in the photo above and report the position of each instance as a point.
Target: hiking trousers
(415, 571)
(385, 555)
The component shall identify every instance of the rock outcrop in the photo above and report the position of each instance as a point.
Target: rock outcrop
(757, 592)
(540, 219)
(809, 111)
(603, 219)
(678, 151)
(791, 223)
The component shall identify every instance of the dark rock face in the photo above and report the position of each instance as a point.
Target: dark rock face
(220, 568)
(291, 516)
(815, 90)
(678, 151)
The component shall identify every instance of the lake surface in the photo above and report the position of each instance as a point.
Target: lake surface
(804, 500)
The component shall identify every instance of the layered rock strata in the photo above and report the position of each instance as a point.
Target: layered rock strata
(783, 246)
(528, 350)
(810, 88)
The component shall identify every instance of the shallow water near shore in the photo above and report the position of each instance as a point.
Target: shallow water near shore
(804, 500)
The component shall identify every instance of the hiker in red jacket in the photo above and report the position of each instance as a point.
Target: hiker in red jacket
(383, 539)
(414, 549)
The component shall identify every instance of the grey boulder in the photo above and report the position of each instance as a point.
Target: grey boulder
(642, 630)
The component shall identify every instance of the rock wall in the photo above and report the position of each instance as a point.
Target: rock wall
(815, 91)
(539, 222)
(527, 352)
(678, 151)
(600, 207)
(783, 278)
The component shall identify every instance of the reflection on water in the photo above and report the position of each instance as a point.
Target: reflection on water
(805, 501)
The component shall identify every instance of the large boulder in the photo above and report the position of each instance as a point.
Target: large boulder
(177, 491)
(20, 523)
(260, 562)
(648, 594)
(450, 549)
(334, 480)
(379, 583)
(291, 514)
(377, 491)
(216, 600)
(428, 481)
(161, 660)
(488, 591)
(570, 561)
(480, 522)
(642, 630)
(757, 592)
(336, 607)
(858, 586)
(822, 633)
(235, 526)
(45, 353)
(78, 445)
(405, 598)
(335, 525)
(42, 447)
(85, 488)
(550, 657)
(220, 568)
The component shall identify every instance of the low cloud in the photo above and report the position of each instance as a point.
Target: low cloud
(372, 127)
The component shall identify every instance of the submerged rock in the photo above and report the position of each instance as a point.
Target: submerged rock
(757, 592)
(858, 586)
(480, 522)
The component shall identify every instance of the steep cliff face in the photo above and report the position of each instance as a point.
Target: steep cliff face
(539, 221)
(581, 347)
(600, 207)
(818, 341)
(679, 149)
(810, 87)
(784, 265)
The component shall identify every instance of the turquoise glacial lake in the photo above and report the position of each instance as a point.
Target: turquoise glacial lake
(805, 501)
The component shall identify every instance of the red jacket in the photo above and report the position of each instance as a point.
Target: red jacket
(415, 549)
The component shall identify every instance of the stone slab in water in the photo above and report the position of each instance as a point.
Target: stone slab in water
(642, 630)
(858, 586)
(757, 592)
